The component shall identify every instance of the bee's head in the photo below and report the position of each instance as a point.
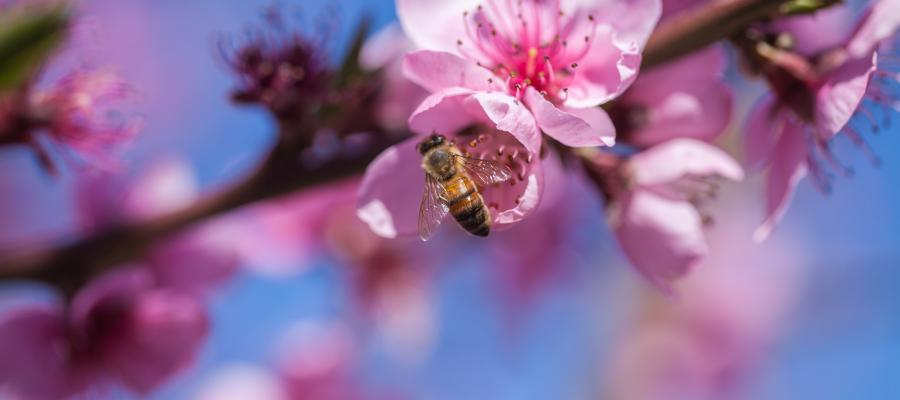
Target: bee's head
(430, 143)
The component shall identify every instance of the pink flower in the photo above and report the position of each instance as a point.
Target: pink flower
(652, 205)
(120, 329)
(392, 187)
(815, 97)
(78, 113)
(525, 66)
(686, 98)
(724, 324)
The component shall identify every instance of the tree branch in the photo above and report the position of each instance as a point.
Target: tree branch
(698, 28)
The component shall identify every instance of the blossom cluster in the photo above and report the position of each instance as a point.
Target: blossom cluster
(550, 94)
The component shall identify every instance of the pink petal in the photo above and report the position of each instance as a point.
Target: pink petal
(673, 160)
(436, 70)
(589, 127)
(443, 112)
(788, 167)
(763, 128)
(384, 47)
(32, 365)
(164, 336)
(840, 96)
(878, 24)
(632, 20)
(168, 186)
(661, 237)
(434, 24)
(806, 29)
(604, 73)
(686, 98)
(517, 202)
(391, 191)
(242, 382)
(511, 117)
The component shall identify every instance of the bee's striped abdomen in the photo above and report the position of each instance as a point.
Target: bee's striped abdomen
(467, 206)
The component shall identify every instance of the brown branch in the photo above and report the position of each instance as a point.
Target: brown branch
(70, 266)
(698, 28)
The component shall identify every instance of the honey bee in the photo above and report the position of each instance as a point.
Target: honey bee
(452, 184)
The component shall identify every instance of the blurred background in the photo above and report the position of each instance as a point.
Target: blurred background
(811, 313)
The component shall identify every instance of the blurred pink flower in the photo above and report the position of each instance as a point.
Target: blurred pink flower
(525, 67)
(389, 279)
(726, 320)
(399, 97)
(314, 360)
(121, 329)
(685, 98)
(653, 198)
(526, 259)
(814, 100)
(392, 187)
(78, 114)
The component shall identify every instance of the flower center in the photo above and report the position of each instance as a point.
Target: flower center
(528, 43)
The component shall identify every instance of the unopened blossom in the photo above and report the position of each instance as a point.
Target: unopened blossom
(392, 187)
(77, 115)
(686, 98)
(526, 66)
(818, 88)
(282, 70)
(652, 203)
(122, 329)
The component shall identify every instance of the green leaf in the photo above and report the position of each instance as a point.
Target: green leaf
(795, 7)
(27, 39)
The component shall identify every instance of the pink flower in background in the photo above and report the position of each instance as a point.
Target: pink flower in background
(526, 66)
(652, 205)
(389, 279)
(121, 329)
(728, 317)
(399, 97)
(685, 98)
(314, 360)
(814, 100)
(527, 259)
(78, 114)
(393, 184)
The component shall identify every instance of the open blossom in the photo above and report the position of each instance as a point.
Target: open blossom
(652, 204)
(121, 329)
(686, 98)
(817, 89)
(392, 187)
(78, 114)
(525, 66)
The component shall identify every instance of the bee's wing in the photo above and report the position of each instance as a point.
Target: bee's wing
(433, 208)
(485, 172)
